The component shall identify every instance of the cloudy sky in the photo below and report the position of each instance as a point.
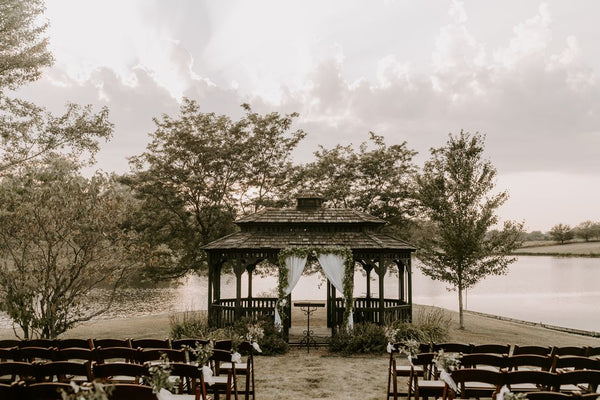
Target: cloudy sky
(525, 73)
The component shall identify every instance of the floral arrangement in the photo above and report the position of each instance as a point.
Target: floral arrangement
(202, 352)
(255, 333)
(87, 391)
(514, 396)
(410, 347)
(446, 361)
(160, 374)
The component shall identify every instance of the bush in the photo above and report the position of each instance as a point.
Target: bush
(194, 324)
(365, 338)
(431, 324)
(190, 324)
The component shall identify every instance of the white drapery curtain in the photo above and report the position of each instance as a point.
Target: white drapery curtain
(295, 265)
(334, 268)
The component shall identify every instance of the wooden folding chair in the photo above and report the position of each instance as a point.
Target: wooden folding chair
(124, 391)
(9, 343)
(189, 377)
(529, 380)
(110, 343)
(44, 391)
(37, 343)
(65, 371)
(151, 355)
(537, 350)
(489, 361)
(245, 368)
(76, 354)
(14, 371)
(453, 347)
(548, 395)
(580, 351)
(116, 354)
(501, 349)
(37, 354)
(222, 384)
(584, 381)
(119, 372)
(151, 343)
(74, 343)
(180, 343)
(425, 386)
(566, 363)
(531, 362)
(473, 382)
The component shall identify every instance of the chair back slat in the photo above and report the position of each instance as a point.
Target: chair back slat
(151, 343)
(492, 349)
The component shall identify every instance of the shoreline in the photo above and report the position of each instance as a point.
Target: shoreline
(573, 331)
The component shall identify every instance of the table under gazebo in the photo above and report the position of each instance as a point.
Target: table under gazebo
(313, 230)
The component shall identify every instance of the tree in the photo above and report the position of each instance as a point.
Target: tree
(23, 48)
(587, 230)
(455, 193)
(200, 171)
(376, 180)
(561, 233)
(61, 237)
(29, 132)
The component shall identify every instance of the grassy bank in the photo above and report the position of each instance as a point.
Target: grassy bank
(574, 249)
(321, 374)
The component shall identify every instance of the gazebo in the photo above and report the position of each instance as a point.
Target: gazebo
(264, 234)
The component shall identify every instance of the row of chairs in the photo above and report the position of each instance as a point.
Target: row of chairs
(136, 357)
(477, 383)
(95, 343)
(494, 356)
(51, 390)
(465, 348)
(191, 379)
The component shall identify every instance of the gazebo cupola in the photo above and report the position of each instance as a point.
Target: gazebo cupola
(265, 233)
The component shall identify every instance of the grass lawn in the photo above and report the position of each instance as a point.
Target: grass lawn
(574, 248)
(323, 375)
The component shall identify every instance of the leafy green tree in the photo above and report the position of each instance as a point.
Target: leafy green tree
(561, 233)
(587, 230)
(29, 132)
(377, 179)
(23, 47)
(61, 237)
(200, 171)
(455, 193)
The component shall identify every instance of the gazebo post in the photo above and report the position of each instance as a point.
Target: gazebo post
(210, 286)
(409, 269)
(328, 305)
(381, 294)
(401, 273)
(250, 270)
(239, 270)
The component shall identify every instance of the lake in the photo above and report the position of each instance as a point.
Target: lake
(553, 290)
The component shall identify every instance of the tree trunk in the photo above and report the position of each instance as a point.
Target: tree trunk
(461, 322)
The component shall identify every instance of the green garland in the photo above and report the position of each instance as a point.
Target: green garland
(301, 252)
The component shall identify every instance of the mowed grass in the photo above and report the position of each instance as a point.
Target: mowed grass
(324, 375)
(574, 248)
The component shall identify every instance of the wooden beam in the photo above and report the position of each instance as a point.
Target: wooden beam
(381, 294)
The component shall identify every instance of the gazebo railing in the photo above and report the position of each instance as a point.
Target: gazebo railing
(224, 310)
(367, 310)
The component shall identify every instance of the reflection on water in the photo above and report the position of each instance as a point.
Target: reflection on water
(557, 291)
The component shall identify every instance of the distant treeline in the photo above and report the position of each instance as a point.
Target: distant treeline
(587, 231)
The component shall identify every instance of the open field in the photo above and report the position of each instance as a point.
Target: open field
(321, 374)
(587, 249)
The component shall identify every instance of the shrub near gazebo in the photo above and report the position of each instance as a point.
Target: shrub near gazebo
(275, 234)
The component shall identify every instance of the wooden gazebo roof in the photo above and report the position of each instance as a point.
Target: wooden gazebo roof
(309, 225)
